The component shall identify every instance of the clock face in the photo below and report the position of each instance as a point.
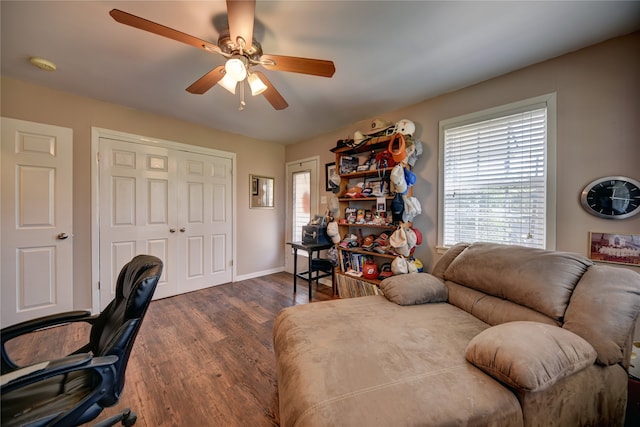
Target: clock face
(613, 197)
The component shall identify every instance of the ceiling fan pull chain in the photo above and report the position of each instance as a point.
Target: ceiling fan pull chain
(242, 103)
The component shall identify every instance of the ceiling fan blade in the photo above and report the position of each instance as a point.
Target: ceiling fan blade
(152, 27)
(272, 95)
(241, 18)
(207, 81)
(316, 67)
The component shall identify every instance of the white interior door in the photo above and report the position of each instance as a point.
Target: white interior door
(138, 213)
(37, 225)
(204, 221)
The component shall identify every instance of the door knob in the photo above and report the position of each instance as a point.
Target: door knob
(172, 230)
(182, 229)
(62, 236)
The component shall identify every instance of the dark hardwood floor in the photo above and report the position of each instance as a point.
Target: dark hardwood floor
(200, 359)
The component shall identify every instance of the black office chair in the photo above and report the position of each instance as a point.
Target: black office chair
(74, 390)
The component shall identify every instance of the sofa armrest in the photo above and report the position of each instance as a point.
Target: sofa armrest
(529, 356)
(415, 288)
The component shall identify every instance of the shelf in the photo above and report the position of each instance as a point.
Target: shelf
(373, 144)
(368, 172)
(384, 227)
(364, 252)
(364, 199)
(364, 279)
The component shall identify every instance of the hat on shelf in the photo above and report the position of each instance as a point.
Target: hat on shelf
(377, 125)
(397, 178)
(399, 265)
(385, 271)
(399, 243)
(342, 143)
(333, 232)
(412, 208)
(397, 147)
(418, 235)
(359, 138)
(397, 207)
(405, 127)
(414, 150)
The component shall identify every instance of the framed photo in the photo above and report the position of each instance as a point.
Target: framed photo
(330, 169)
(615, 248)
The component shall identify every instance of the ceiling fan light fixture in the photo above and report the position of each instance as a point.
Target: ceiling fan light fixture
(229, 83)
(257, 86)
(236, 69)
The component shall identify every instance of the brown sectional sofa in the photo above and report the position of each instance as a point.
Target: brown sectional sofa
(495, 336)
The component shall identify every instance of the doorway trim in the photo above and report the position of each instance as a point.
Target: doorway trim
(96, 134)
(315, 201)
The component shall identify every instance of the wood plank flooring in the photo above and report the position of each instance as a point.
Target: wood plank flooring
(200, 359)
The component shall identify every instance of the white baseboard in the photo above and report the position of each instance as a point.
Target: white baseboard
(258, 274)
(326, 281)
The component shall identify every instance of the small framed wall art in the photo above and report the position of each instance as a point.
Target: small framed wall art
(615, 248)
(330, 170)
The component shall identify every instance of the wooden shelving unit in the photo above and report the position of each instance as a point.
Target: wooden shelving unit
(358, 286)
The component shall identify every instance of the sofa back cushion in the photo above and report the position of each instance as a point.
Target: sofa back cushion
(493, 310)
(447, 258)
(603, 310)
(535, 278)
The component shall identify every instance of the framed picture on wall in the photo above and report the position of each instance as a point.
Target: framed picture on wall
(254, 186)
(330, 170)
(615, 247)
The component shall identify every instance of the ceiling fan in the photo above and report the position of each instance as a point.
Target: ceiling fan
(242, 52)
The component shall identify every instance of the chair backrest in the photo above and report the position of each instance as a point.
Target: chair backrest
(116, 328)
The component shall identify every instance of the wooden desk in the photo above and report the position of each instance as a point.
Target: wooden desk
(307, 275)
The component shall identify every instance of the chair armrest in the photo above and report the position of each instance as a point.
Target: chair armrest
(33, 325)
(6, 378)
(14, 331)
(60, 366)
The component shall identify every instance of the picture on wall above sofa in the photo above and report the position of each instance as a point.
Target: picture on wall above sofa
(615, 248)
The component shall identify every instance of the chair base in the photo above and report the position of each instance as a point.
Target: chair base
(126, 417)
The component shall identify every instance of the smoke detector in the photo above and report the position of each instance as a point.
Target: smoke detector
(42, 63)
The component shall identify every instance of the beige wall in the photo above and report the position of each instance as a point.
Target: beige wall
(598, 133)
(260, 232)
(598, 94)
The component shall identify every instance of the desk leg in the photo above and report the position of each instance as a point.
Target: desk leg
(310, 253)
(295, 267)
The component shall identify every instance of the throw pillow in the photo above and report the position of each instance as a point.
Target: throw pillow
(530, 356)
(410, 289)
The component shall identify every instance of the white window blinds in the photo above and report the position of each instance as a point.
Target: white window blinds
(301, 203)
(494, 180)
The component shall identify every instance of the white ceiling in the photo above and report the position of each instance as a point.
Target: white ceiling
(387, 54)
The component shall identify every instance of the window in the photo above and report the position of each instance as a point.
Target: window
(301, 203)
(497, 175)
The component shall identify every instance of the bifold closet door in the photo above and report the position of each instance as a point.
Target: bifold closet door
(170, 203)
(204, 218)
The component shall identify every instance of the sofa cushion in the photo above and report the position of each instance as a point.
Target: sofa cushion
(529, 356)
(369, 362)
(446, 259)
(417, 288)
(493, 310)
(535, 278)
(603, 310)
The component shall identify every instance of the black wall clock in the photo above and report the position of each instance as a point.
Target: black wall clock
(612, 197)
